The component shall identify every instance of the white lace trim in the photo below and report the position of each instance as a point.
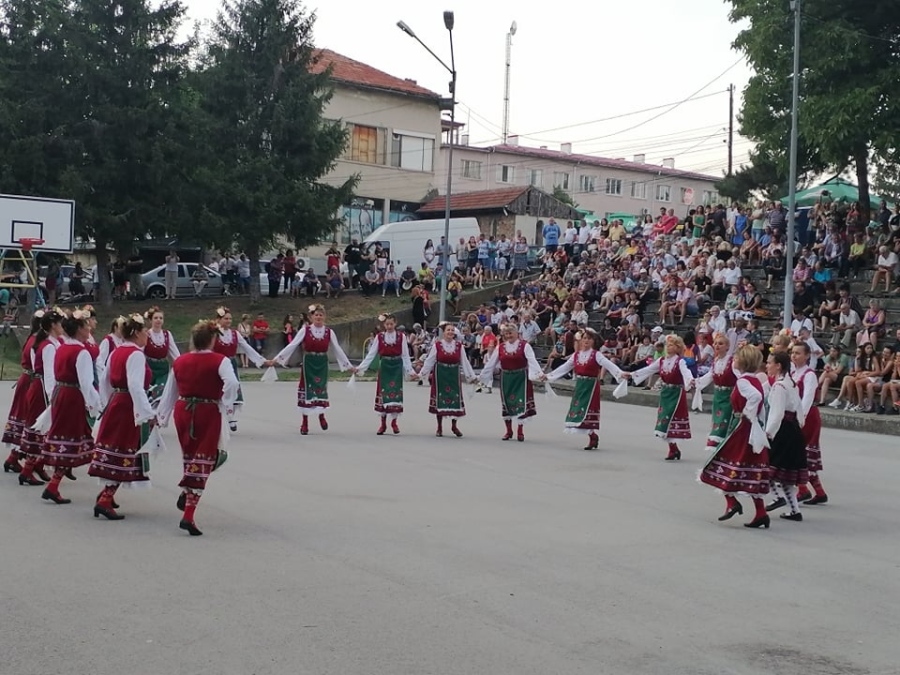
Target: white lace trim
(226, 337)
(669, 364)
(451, 347)
(390, 337)
(584, 356)
(317, 333)
(511, 347)
(721, 365)
(158, 339)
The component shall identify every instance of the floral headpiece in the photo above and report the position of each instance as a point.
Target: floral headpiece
(384, 317)
(150, 312)
(39, 314)
(222, 311)
(316, 308)
(120, 320)
(80, 315)
(89, 311)
(137, 318)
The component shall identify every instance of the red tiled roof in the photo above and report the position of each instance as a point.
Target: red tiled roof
(591, 160)
(348, 71)
(476, 201)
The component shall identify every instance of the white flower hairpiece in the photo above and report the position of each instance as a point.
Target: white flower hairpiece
(579, 335)
(221, 312)
(313, 308)
(381, 318)
(39, 314)
(58, 310)
(79, 314)
(88, 308)
(138, 318)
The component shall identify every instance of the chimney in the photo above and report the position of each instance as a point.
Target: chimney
(464, 139)
(640, 159)
(566, 148)
(410, 80)
(669, 162)
(512, 140)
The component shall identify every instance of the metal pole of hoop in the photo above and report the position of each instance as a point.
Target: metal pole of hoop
(30, 263)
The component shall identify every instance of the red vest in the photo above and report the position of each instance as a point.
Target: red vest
(154, 351)
(727, 378)
(589, 369)
(39, 358)
(738, 402)
(672, 377)
(384, 349)
(197, 375)
(26, 354)
(515, 360)
(118, 374)
(228, 350)
(93, 349)
(64, 363)
(453, 357)
(314, 345)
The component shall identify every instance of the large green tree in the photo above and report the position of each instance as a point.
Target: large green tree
(264, 108)
(849, 101)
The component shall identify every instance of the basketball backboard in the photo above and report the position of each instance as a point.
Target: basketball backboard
(50, 220)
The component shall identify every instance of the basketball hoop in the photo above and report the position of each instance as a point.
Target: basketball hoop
(28, 244)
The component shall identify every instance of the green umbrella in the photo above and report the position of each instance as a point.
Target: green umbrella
(839, 190)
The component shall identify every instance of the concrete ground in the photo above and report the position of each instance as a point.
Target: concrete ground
(350, 554)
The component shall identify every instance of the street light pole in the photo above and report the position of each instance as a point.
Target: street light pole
(451, 103)
(792, 188)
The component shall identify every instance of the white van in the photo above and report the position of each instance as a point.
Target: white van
(406, 240)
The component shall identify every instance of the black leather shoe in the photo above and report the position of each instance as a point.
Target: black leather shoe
(818, 499)
(12, 467)
(190, 527)
(23, 480)
(732, 512)
(796, 517)
(756, 523)
(777, 504)
(55, 498)
(109, 514)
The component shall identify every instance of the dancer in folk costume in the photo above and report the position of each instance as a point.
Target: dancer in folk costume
(740, 462)
(312, 389)
(200, 391)
(123, 390)
(518, 366)
(91, 343)
(394, 364)
(15, 425)
(43, 356)
(446, 365)
(588, 365)
(160, 351)
(229, 343)
(724, 378)
(673, 423)
(108, 345)
(69, 442)
(808, 387)
(787, 446)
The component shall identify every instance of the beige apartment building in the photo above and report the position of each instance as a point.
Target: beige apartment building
(395, 138)
(600, 185)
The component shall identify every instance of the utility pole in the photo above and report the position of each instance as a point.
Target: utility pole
(509, 37)
(730, 128)
(792, 193)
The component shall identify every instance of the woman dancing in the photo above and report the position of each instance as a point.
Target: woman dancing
(15, 426)
(807, 384)
(518, 366)
(787, 447)
(312, 389)
(740, 463)
(161, 350)
(109, 344)
(394, 363)
(123, 388)
(70, 442)
(447, 359)
(724, 378)
(37, 398)
(588, 364)
(229, 343)
(200, 391)
(672, 420)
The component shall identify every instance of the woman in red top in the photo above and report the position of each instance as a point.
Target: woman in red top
(160, 351)
(123, 388)
(199, 393)
(229, 343)
(518, 366)
(69, 442)
(12, 433)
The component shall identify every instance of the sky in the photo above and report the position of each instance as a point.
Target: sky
(574, 64)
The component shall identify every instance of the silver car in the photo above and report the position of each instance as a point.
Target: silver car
(154, 282)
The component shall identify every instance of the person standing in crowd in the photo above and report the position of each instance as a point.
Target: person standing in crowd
(274, 273)
(69, 442)
(243, 273)
(353, 256)
(551, 234)
(739, 463)
(588, 365)
(123, 389)
(199, 395)
(518, 366)
(172, 261)
(312, 388)
(229, 343)
(787, 447)
(391, 347)
(673, 421)
(447, 360)
(160, 350)
(134, 268)
(289, 269)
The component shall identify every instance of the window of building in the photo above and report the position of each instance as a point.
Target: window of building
(364, 145)
(561, 179)
(414, 153)
(710, 197)
(471, 169)
(639, 190)
(506, 174)
(614, 186)
(587, 183)
(535, 177)
(663, 193)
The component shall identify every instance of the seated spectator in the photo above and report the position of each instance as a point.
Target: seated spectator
(835, 368)
(885, 268)
(848, 326)
(891, 387)
(199, 279)
(390, 282)
(310, 283)
(873, 324)
(334, 283)
(370, 281)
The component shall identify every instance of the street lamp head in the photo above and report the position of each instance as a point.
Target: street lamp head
(513, 28)
(406, 29)
(448, 20)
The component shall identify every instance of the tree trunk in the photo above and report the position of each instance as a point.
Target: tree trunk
(251, 250)
(862, 180)
(102, 284)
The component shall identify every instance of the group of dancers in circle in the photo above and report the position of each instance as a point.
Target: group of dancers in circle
(79, 402)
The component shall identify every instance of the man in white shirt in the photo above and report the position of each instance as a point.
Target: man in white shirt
(737, 335)
(569, 238)
(596, 232)
(717, 322)
(732, 273)
(584, 237)
(528, 329)
(848, 323)
(815, 351)
(885, 268)
(800, 322)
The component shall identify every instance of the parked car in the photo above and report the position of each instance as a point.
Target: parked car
(154, 282)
